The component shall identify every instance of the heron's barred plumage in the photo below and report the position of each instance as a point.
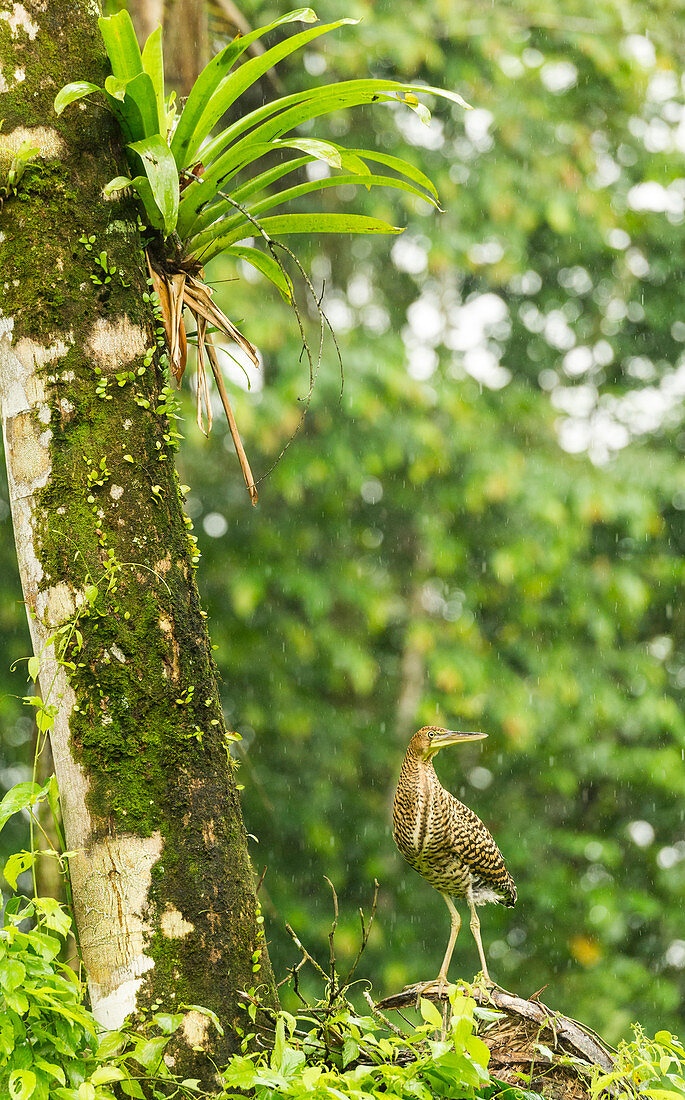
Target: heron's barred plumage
(444, 840)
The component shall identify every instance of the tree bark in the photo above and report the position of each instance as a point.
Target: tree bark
(163, 887)
(186, 44)
(186, 37)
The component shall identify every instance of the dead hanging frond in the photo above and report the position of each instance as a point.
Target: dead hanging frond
(181, 289)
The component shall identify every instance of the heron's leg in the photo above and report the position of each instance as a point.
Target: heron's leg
(475, 928)
(454, 932)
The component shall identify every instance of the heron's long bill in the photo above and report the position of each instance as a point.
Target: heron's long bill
(454, 737)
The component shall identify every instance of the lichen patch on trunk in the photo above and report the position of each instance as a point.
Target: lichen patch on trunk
(195, 1028)
(59, 603)
(173, 924)
(28, 453)
(18, 19)
(47, 141)
(115, 876)
(114, 344)
(33, 355)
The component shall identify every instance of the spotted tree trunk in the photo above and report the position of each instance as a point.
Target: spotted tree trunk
(163, 888)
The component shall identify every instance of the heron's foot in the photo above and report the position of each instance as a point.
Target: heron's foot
(439, 988)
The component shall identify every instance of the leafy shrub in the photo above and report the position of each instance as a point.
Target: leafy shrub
(47, 1037)
(651, 1067)
(358, 1057)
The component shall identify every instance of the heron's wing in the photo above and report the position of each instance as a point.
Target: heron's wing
(475, 846)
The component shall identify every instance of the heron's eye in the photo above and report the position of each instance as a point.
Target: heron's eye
(431, 733)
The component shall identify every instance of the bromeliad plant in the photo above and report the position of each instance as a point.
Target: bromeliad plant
(206, 194)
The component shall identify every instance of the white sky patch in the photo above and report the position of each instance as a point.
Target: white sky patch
(215, 525)
(602, 425)
(359, 290)
(469, 329)
(618, 239)
(315, 63)
(426, 320)
(339, 313)
(477, 125)
(652, 195)
(638, 264)
(607, 171)
(557, 331)
(410, 254)
(471, 323)
(527, 283)
(675, 954)
(317, 170)
(483, 365)
(416, 132)
(510, 65)
(532, 58)
(375, 319)
(579, 401)
(662, 86)
(558, 76)
(486, 252)
(641, 833)
(640, 49)
(578, 361)
(422, 362)
(576, 280)
(658, 136)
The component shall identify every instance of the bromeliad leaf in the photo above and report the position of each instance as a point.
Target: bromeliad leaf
(191, 131)
(137, 97)
(121, 45)
(153, 63)
(205, 243)
(160, 169)
(119, 183)
(265, 264)
(283, 224)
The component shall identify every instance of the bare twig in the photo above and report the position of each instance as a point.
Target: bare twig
(331, 939)
(309, 958)
(366, 929)
(261, 879)
(379, 1016)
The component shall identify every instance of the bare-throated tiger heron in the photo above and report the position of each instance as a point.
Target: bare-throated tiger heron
(445, 841)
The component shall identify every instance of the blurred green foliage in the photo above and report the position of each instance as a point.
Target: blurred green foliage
(486, 527)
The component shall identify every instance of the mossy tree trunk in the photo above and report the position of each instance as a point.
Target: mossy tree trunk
(164, 892)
